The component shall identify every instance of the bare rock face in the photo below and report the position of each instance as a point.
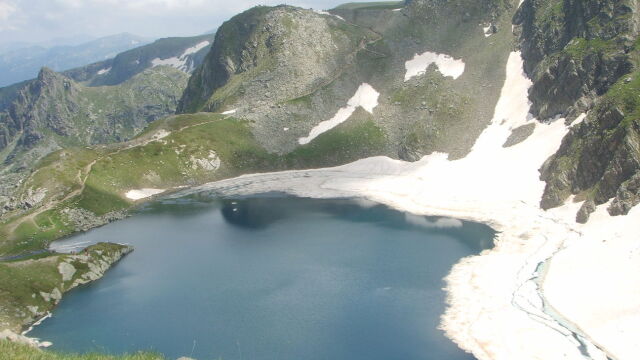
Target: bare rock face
(574, 50)
(600, 157)
(579, 55)
(284, 51)
(627, 196)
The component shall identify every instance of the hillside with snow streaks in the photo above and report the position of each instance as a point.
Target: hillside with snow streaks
(182, 62)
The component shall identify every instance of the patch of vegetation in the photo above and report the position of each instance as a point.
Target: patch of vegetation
(354, 139)
(14, 351)
(625, 94)
(23, 281)
(579, 48)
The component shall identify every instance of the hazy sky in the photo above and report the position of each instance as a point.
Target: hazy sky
(41, 20)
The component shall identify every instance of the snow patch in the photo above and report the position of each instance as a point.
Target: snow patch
(143, 193)
(181, 62)
(487, 31)
(104, 71)
(447, 65)
(366, 97)
(194, 49)
(324, 12)
(229, 112)
(579, 119)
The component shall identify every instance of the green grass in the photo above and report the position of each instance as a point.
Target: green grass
(354, 139)
(625, 93)
(22, 281)
(578, 48)
(13, 351)
(36, 234)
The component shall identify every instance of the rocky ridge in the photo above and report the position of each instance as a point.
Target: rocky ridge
(582, 57)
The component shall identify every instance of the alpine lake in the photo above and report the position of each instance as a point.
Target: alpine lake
(269, 277)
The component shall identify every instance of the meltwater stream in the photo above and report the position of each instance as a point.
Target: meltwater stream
(269, 277)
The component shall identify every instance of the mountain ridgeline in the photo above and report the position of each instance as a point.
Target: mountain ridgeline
(24, 63)
(105, 102)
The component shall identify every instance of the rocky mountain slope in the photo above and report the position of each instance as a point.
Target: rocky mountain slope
(109, 101)
(182, 53)
(583, 57)
(53, 111)
(287, 70)
(23, 64)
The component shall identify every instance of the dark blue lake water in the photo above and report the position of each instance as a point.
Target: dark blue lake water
(269, 278)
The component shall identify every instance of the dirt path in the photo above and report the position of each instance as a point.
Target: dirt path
(83, 175)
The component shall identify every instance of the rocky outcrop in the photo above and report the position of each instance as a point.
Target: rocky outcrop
(580, 56)
(263, 50)
(574, 50)
(600, 158)
(23, 302)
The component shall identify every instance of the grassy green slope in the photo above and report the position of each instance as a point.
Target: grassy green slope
(32, 286)
(14, 351)
(96, 179)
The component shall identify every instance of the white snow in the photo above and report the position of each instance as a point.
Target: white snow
(172, 61)
(366, 97)
(181, 62)
(579, 119)
(496, 308)
(487, 31)
(324, 12)
(194, 49)
(143, 193)
(594, 281)
(447, 65)
(229, 112)
(104, 71)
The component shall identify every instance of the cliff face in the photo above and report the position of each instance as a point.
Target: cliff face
(582, 57)
(575, 50)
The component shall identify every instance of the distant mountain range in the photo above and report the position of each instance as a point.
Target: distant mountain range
(19, 64)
